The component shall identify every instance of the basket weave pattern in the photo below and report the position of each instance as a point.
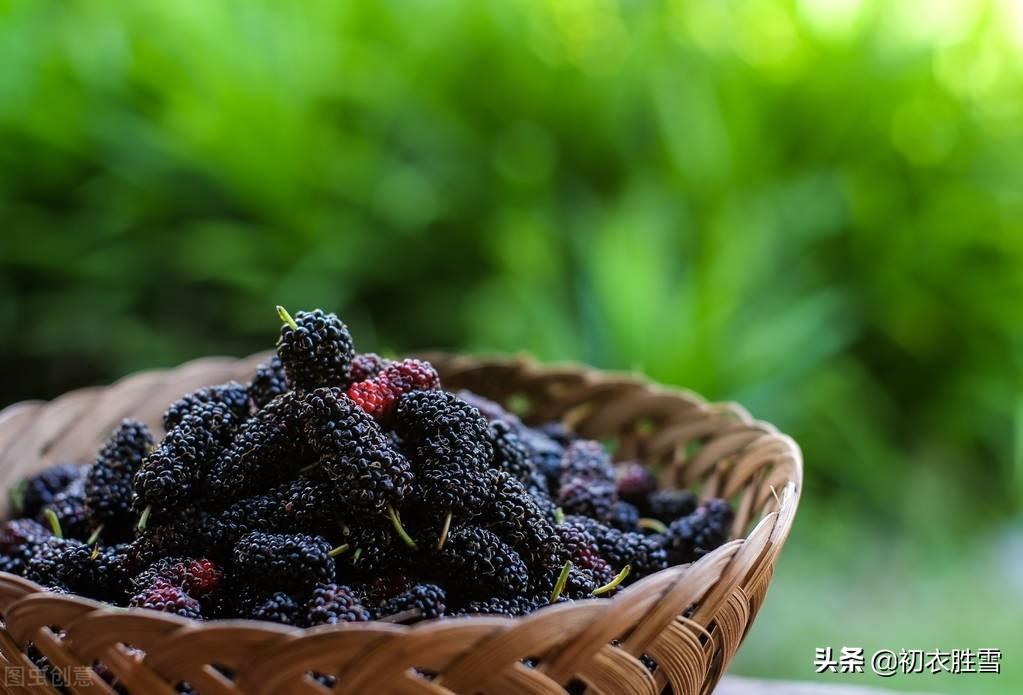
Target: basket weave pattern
(689, 618)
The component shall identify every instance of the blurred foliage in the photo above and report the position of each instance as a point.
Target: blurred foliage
(812, 207)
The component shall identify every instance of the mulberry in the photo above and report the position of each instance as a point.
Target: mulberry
(109, 483)
(292, 561)
(587, 459)
(45, 567)
(278, 607)
(19, 540)
(624, 516)
(304, 504)
(421, 602)
(587, 496)
(474, 555)
(635, 483)
(315, 349)
(452, 449)
(268, 382)
(267, 449)
(232, 395)
(373, 549)
(369, 474)
(68, 508)
(446, 427)
(334, 603)
(509, 607)
(169, 475)
(642, 553)
(378, 395)
(512, 457)
(693, 536)
(169, 535)
(519, 521)
(668, 505)
(199, 577)
(448, 487)
(581, 549)
(164, 596)
(32, 494)
(93, 572)
(367, 365)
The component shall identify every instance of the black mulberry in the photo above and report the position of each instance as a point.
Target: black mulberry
(19, 540)
(68, 506)
(32, 494)
(421, 602)
(335, 603)
(369, 474)
(268, 382)
(288, 561)
(278, 607)
(693, 536)
(315, 349)
(267, 449)
(232, 395)
(109, 483)
(475, 556)
(668, 505)
(170, 474)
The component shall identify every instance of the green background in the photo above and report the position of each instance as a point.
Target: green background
(814, 208)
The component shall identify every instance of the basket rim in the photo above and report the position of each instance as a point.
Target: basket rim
(770, 531)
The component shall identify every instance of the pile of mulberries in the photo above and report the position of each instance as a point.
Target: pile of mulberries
(338, 486)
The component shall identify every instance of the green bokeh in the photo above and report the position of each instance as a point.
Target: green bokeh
(814, 208)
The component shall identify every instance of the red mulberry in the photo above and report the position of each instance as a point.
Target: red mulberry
(378, 395)
(164, 596)
(367, 365)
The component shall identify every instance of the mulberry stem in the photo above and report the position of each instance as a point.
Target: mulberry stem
(54, 521)
(652, 525)
(338, 550)
(559, 586)
(444, 532)
(613, 584)
(396, 522)
(559, 516)
(356, 555)
(144, 518)
(95, 535)
(95, 552)
(16, 495)
(286, 317)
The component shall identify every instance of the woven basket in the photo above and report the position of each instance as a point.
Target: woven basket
(689, 618)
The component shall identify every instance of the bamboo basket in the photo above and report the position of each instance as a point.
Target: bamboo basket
(690, 619)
